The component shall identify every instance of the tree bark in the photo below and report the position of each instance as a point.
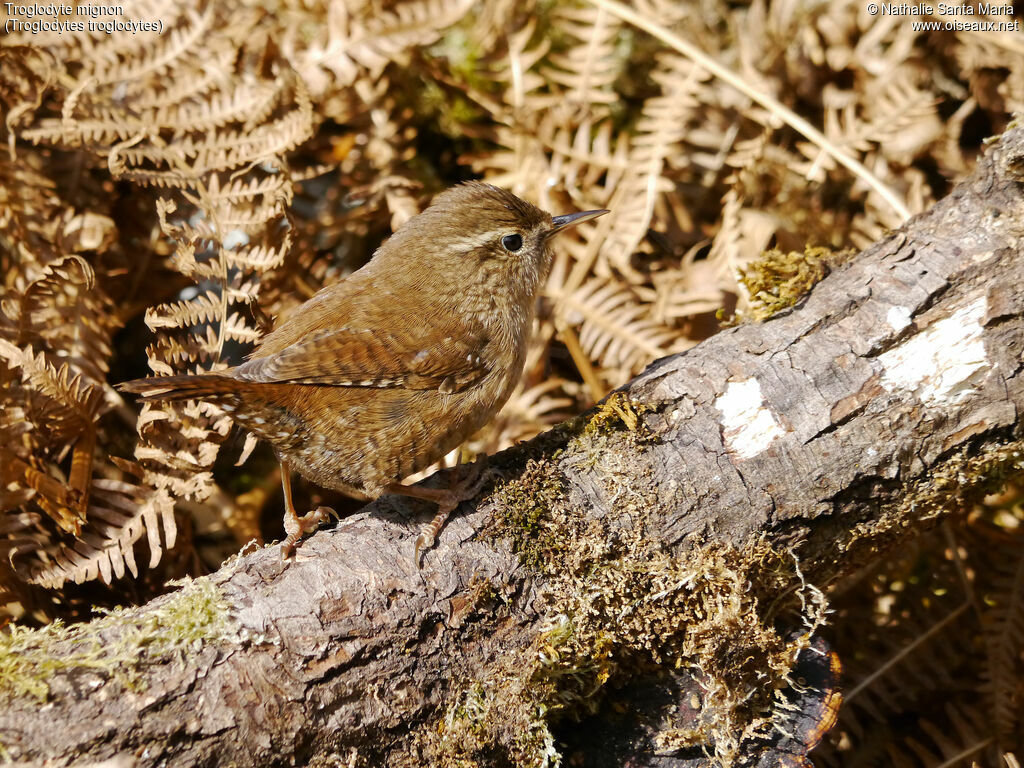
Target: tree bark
(667, 548)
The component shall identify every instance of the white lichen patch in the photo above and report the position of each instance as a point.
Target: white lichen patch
(938, 363)
(898, 318)
(748, 427)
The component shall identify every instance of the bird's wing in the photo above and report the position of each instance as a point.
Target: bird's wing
(359, 357)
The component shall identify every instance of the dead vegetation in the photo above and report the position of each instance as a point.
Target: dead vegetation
(173, 192)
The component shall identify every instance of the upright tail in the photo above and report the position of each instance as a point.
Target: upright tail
(201, 386)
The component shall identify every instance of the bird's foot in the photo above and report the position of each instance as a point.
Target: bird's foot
(473, 478)
(298, 528)
(460, 491)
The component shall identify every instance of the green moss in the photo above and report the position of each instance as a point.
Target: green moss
(524, 513)
(572, 668)
(962, 481)
(618, 603)
(779, 280)
(958, 483)
(615, 412)
(493, 723)
(114, 645)
(194, 615)
(636, 608)
(460, 48)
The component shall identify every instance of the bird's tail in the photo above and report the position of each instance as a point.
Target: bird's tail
(201, 386)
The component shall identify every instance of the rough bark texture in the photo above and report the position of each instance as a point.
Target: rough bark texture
(680, 552)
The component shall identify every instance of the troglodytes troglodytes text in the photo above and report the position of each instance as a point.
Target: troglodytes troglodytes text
(383, 373)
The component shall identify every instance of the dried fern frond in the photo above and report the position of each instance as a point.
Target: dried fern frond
(1003, 628)
(933, 648)
(585, 71)
(900, 120)
(660, 131)
(615, 329)
(357, 43)
(56, 325)
(220, 146)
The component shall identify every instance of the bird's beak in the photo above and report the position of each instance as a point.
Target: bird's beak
(558, 223)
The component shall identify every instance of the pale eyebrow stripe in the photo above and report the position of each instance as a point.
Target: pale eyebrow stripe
(471, 242)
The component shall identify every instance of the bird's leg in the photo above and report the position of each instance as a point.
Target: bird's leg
(447, 499)
(295, 526)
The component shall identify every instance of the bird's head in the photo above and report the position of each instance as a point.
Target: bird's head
(487, 230)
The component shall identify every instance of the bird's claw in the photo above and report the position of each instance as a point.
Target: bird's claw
(298, 528)
(461, 491)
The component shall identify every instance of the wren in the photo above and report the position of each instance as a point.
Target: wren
(383, 373)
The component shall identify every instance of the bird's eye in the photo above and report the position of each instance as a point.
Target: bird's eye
(512, 242)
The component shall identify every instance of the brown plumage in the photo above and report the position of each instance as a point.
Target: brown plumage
(381, 374)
